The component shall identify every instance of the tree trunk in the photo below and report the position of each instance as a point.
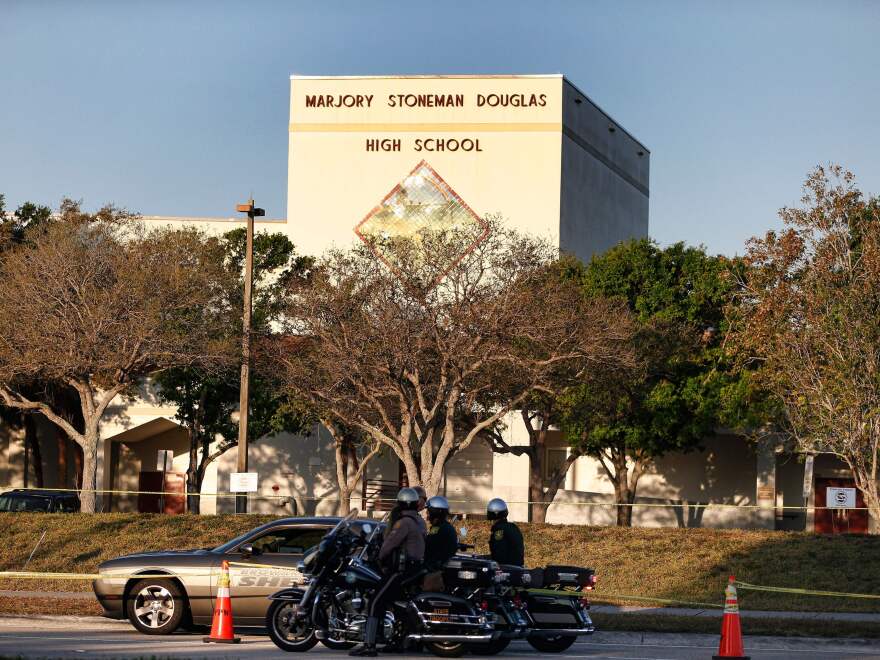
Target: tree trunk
(625, 484)
(193, 490)
(30, 437)
(538, 502)
(88, 497)
(343, 507)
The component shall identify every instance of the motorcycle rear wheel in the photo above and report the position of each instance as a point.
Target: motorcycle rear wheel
(446, 649)
(556, 644)
(494, 647)
(287, 634)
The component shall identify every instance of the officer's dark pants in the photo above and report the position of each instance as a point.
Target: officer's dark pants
(387, 593)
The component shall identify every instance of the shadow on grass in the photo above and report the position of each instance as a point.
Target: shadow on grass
(796, 560)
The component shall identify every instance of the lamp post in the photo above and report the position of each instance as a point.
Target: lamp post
(241, 501)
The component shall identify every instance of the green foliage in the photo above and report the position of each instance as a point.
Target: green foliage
(206, 401)
(686, 386)
(26, 221)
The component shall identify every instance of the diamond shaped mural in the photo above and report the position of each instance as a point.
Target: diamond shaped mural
(422, 202)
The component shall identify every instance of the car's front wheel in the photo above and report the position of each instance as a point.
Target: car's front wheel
(156, 607)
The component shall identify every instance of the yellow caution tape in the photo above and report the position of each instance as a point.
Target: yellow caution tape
(606, 597)
(376, 500)
(31, 575)
(803, 592)
(253, 565)
(36, 575)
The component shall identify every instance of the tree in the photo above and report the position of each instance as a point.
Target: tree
(95, 303)
(425, 349)
(206, 398)
(542, 411)
(350, 465)
(17, 228)
(806, 314)
(677, 396)
(24, 223)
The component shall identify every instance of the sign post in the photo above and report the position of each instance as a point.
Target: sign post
(241, 503)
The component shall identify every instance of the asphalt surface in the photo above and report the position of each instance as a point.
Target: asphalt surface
(93, 637)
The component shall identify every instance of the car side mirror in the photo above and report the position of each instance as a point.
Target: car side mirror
(463, 532)
(366, 528)
(248, 550)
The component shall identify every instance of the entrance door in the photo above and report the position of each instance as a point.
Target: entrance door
(839, 521)
(153, 483)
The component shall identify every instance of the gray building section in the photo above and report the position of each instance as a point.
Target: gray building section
(605, 171)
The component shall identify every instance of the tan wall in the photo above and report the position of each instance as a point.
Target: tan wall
(334, 181)
(304, 470)
(724, 472)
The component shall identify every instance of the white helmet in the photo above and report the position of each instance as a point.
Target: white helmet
(438, 504)
(408, 498)
(497, 508)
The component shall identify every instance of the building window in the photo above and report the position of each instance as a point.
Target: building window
(554, 460)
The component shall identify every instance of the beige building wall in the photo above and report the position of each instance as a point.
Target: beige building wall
(336, 177)
(724, 472)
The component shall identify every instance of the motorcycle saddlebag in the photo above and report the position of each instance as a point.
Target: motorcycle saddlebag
(554, 612)
(517, 576)
(567, 576)
(463, 571)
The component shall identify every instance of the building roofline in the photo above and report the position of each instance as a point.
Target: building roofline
(428, 76)
(608, 116)
(193, 218)
(470, 76)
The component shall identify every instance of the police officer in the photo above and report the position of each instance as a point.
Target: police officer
(396, 510)
(401, 554)
(442, 540)
(505, 541)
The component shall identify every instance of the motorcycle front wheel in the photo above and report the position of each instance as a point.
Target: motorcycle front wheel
(286, 631)
(446, 649)
(556, 644)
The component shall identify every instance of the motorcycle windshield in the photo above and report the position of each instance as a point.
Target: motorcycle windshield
(345, 522)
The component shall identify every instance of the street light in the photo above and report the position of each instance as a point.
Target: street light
(241, 502)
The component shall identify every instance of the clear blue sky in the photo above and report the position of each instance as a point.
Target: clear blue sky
(181, 108)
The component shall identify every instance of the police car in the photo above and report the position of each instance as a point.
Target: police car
(179, 586)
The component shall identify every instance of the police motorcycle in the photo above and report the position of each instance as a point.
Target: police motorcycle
(342, 577)
(548, 607)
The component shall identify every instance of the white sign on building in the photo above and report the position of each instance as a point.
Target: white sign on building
(840, 498)
(243, 482)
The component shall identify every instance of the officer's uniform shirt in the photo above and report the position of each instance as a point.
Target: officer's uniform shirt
(441, 544)
(408, 533)
(506, 544)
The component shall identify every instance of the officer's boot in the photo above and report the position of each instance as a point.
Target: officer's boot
(369, 646)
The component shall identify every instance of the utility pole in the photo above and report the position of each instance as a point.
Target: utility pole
(241, 501)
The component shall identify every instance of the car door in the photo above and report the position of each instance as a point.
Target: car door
(251, 579)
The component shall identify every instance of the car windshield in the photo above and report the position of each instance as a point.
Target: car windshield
(234, 543)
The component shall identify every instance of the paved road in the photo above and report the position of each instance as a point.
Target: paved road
(93, 637)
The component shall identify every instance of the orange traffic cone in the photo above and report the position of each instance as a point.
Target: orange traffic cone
(221, 627)
(731, 635)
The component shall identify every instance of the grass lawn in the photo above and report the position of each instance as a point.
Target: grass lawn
(688, 565)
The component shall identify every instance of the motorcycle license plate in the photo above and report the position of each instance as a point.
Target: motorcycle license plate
(441, 615)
